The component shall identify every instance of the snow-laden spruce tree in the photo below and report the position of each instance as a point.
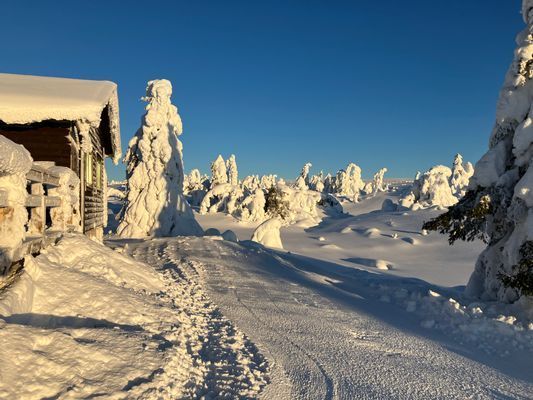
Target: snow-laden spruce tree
(233, 173)
(498, 206)
(219, 172)
(348, 182)
(461, 174)
(302, 182)
(376, 185)
(317, 182)
(154, 204)
(431, 189)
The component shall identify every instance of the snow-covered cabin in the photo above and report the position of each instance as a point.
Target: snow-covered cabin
(72, 122)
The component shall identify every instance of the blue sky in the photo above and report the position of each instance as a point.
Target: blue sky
(401, 84)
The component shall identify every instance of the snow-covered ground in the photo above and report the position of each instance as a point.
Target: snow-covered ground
(85, 321)
(366, 236)
(364, 305)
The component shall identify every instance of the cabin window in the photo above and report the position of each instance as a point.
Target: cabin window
(98, 174)
(88, 169)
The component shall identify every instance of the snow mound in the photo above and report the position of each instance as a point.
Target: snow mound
(371, 233)
(330, 246)
(230, 236)
(268, 233)
(410, 240)
(212, 232)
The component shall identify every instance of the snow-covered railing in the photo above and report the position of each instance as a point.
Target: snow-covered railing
(51, 198)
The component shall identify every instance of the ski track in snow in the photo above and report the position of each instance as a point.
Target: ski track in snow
(326, 343)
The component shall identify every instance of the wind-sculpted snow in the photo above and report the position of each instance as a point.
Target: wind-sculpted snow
(155, 204)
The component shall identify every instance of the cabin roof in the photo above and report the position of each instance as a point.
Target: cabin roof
(26, 99)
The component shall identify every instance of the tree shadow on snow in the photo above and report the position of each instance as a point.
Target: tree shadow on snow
(358, 290)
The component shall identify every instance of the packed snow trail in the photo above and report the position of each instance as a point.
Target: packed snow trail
(326, 337)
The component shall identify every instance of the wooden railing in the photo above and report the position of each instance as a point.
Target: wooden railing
(37, 200)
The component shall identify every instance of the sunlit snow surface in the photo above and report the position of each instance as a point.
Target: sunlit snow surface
(364, 305)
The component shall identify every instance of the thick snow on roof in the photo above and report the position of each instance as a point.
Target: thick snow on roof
(26, 99)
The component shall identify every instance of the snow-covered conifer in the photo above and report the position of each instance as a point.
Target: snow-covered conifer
(348, 182)
(219, 172)
(233, 174)
(498, 206)
(154, 204)
(461, 174)
(431, 189)
(302, 182)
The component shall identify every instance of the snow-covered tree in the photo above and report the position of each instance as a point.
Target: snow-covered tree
(253, 207)
(348, 182)
(154, 204)
(250, 183)
(268, 181)
(498, 206)
(219, 172)
(195, 187)
(376, 185)
(317, 182)
(431, 189)
(233, 173)
(461, 174)
(302, 182)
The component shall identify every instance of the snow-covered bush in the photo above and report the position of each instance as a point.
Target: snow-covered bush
(461, 174)
(268, 233)
(15, 162)
(498, 206)
(155, 205)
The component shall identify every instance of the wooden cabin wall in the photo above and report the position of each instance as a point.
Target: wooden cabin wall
(93, 187)
(45, 144)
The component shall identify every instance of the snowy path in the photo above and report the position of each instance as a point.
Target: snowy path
(327, 338)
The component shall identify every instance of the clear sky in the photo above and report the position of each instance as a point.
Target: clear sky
(401, 84)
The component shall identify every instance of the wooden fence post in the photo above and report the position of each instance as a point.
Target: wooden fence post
(37, 222)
